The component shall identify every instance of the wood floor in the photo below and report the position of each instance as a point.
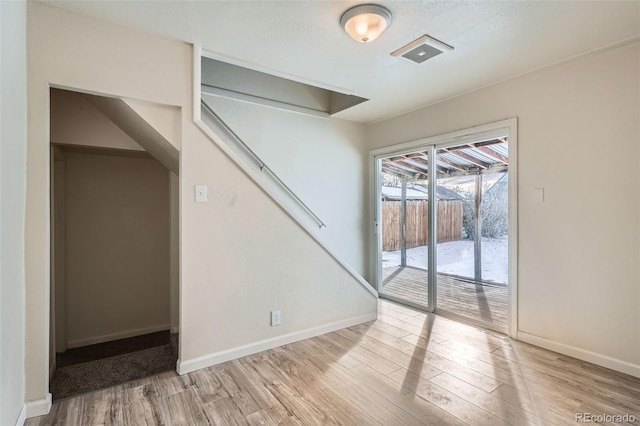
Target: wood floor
(406, 368)
(480, 302)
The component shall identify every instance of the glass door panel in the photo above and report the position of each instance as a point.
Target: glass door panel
(472, 227)
(403, 243)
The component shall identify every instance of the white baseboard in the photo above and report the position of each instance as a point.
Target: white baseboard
(115, 336)
(22, 416)
(190, 365)
(39, 407)
(175, 329)
(582, 354)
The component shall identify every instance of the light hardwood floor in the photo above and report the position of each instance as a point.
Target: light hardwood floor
(406, 368)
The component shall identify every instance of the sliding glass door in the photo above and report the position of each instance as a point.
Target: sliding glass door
(447, 205)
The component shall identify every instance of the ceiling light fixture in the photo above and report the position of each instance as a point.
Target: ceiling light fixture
(365, 23)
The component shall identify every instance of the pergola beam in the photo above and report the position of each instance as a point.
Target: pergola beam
(490, 142)
(393, 169)
(450, 164)
(492, 154)
(416, 162)
(497, 168)
(416, 168)
(392, 173)
(400, 165)
(458, 153)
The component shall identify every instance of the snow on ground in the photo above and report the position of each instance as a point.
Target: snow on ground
(456, 257)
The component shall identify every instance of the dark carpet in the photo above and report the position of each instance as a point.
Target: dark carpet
(106, 364)
(113, 348)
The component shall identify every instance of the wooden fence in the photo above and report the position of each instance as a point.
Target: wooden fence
(417, 229)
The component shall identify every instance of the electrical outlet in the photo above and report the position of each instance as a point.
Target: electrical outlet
(275, 318)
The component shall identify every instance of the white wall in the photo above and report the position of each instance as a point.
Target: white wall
(164, 118)
(117, 256)
(236, 265)
(73, 118)
(323, 160)
(578, 133)
(13, 136)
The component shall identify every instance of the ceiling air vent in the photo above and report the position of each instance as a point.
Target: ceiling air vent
(422, 49)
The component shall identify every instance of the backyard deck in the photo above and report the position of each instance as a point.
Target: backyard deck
(478, 301)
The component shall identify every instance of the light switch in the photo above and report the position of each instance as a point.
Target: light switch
(539, 195)
(201, 194)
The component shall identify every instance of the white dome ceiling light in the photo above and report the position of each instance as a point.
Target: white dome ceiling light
(365, 22)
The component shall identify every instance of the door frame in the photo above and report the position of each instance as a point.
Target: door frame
(175, 284)
(490, 130)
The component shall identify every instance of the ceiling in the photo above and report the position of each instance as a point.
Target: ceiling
(493, 41)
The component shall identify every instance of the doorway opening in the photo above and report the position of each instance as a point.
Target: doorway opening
(449, 202)
(114, 244)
